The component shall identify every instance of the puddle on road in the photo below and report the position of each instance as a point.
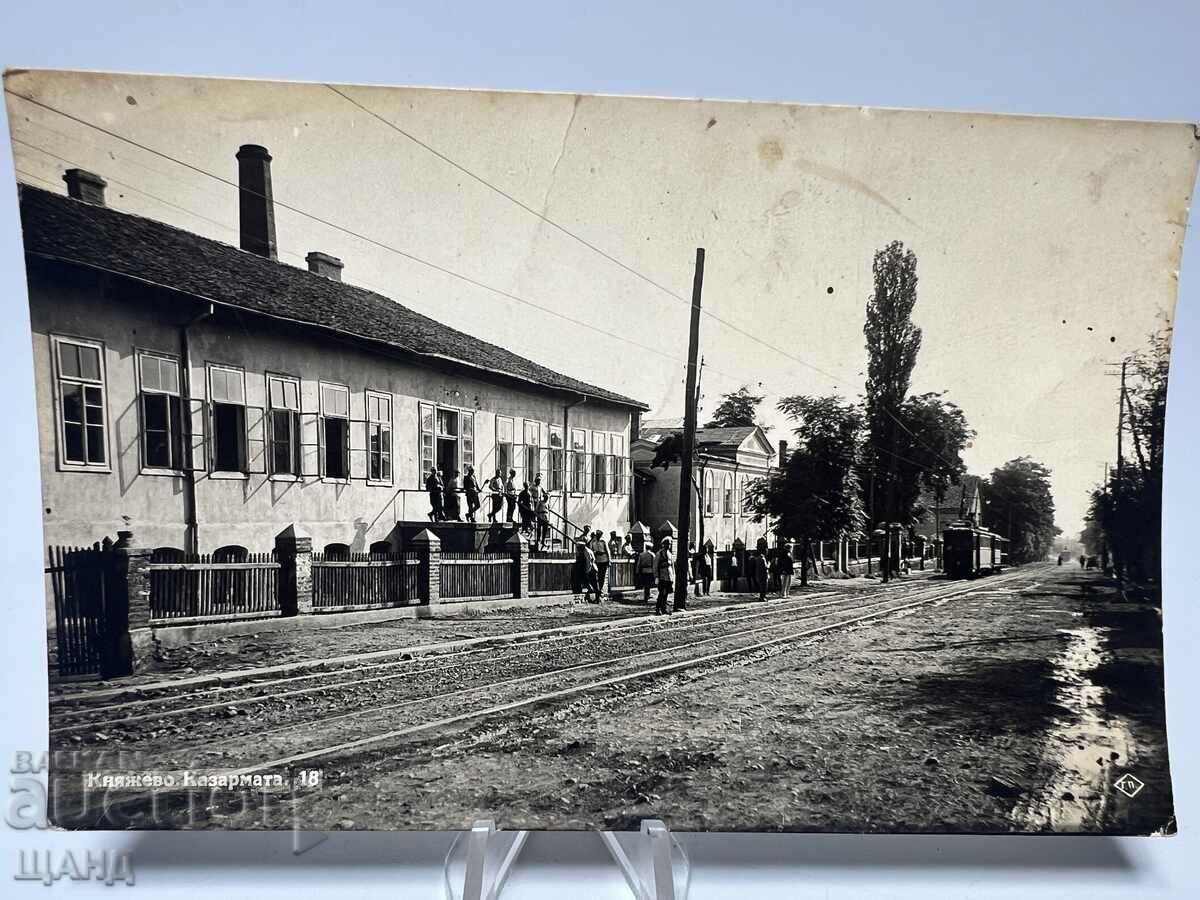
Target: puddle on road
(1080, 749)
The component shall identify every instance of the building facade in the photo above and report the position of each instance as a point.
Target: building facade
(208, 396)
(726, 462)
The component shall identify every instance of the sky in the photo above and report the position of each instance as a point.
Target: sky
(1047, 248)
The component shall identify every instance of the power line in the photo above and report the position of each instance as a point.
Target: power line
(574, 236)
(352, 233)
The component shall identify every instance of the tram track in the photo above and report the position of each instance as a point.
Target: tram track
(410, 716)
(76, 717)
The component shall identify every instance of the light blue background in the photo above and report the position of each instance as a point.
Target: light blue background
(1092, 59)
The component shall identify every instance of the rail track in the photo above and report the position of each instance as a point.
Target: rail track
(75, 714)
(398, 717)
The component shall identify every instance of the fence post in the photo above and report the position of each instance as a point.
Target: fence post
(293, 551)
(130, 642)
(520, 551)
(429, 546)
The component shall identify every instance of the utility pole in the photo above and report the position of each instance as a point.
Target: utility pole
(1118, 556)
(689, 438)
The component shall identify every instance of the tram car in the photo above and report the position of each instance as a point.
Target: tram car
(969, 551)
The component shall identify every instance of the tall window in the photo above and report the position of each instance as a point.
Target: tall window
(557, 459)
(578, 460)
(709, 493)
(599, 462)
(727, 496)
(283, 393)
(428, 414)
(335, 430)
(227, 391)
(504, 444)
(616, 464)
(162, 418)
(379, 437)
(533, 450)
(81, 396)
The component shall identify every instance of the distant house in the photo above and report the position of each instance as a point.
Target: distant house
(961, 502)
(726, 461)
(213, 395)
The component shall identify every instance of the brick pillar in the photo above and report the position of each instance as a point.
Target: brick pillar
(640, 536)
(293, 550)
(429, 545)
(520, 551)
(129, 640)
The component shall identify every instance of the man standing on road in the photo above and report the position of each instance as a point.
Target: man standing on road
(645, 571)
(665, 561)
(758, 566)
(600, 551)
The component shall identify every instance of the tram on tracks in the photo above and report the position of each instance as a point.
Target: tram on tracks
(969, 551)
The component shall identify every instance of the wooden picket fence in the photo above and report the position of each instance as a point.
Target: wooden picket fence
(195, 587)
(487, 576)
(551, 571)
(366, 581)
(78, 582)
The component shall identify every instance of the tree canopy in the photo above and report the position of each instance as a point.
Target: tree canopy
(893, 342)
(815, 493)
(1018, 504)
(738, 408)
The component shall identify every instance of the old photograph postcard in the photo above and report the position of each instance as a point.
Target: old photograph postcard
(411, 457)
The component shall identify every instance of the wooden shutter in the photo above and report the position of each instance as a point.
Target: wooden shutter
(427, 424)
(310, 444)
(256, 440)
(198, 431)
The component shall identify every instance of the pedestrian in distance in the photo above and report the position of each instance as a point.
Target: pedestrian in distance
(450, 507)
(471, 489)
(786, 564)
(734, 571)
(541, 511)
(627, 548)
(703, 571)
(435, 488)
(614, 546)
(600, 550)
(644, 567)
(1060, 559)
(510, 495)
(525, 509)
(664, 562)
(1082, 561)
(758, 565)
(495, 487)
(584, 573)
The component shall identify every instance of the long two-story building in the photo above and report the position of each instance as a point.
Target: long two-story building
(210, 395)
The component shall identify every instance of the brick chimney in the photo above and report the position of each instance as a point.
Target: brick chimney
(86, 186)
(323, 264)
(783, 453)
(255, 202)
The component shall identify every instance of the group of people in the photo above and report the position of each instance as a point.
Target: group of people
(528, 505)
(655, 568)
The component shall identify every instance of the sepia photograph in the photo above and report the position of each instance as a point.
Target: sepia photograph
(416, 456)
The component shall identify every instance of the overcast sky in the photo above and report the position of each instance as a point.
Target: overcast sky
(1046, 247)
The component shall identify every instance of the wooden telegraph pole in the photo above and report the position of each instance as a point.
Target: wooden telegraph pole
(689, 440)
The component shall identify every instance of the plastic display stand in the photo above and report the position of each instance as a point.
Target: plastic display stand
(479, 860)
(652, 861)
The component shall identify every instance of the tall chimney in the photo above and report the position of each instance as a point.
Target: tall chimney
(255, 202)
(783, 453)
(86, 186)
(323, 264)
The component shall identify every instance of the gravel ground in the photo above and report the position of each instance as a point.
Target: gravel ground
(1015, 708)
(963, 716)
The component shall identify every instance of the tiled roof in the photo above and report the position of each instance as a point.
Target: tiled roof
(59, 227)
(708, 438)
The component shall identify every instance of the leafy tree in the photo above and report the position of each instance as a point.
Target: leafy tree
(893, 342)
(1018, 504)
(739, 408)
(1127, 512)
(931, 435)
(816, 491)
